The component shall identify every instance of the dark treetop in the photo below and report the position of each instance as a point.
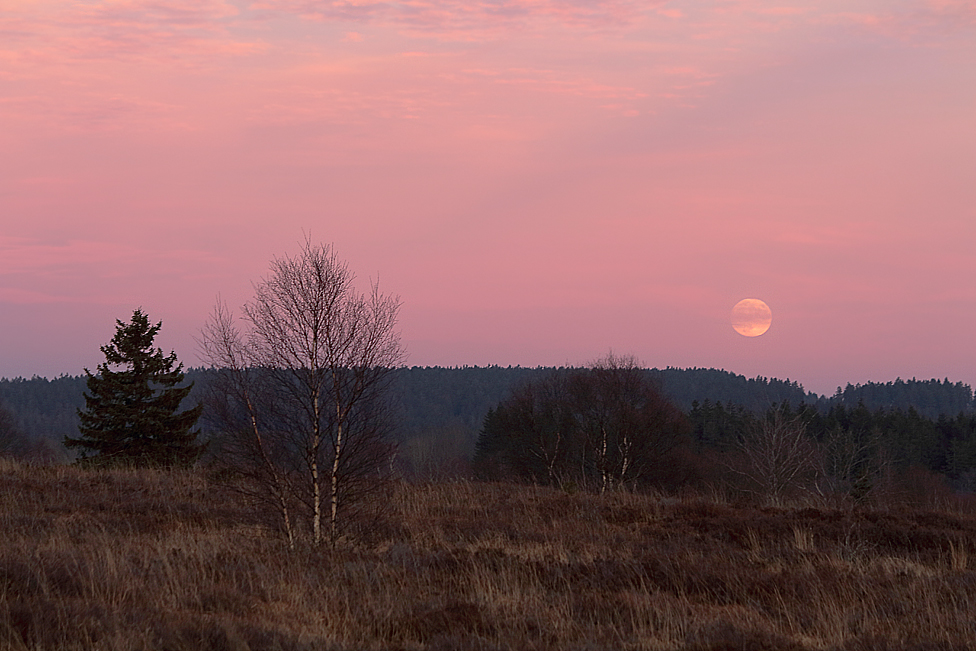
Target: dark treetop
(132, 415)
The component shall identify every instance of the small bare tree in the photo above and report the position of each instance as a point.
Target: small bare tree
(237, 406)
(324, 354)
(852, 464)
(776, 456)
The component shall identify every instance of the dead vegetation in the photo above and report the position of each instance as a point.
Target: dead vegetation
(143, 559)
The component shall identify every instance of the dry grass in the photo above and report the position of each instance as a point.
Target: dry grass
(155, 560)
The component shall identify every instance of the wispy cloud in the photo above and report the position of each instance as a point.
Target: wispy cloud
(463, 19)
(182, 30)
(26, 264)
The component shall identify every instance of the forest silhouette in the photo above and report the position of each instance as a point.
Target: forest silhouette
(440, 412)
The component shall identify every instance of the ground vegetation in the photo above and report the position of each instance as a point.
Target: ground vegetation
(114, 559)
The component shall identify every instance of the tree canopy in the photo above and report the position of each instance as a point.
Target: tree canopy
(604, 426)
(132, 407)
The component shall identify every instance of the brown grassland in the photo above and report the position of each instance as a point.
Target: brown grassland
(118, 559)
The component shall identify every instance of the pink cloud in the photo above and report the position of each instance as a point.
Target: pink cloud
(94, 111)
(923, 22)
(20, 296)
(90, 259)
(180, 31)
(960, 12)
(463, 19)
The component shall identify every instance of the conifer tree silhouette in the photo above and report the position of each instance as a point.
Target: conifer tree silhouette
(132, 415)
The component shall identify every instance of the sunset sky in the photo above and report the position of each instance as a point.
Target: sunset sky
(540, 181)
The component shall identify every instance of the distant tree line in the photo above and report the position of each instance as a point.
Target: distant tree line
(930, 398)
(440, 412)
(610, 426)
(903, 437)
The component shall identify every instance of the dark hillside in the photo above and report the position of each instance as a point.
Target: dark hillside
(930, 398)
(685, 386)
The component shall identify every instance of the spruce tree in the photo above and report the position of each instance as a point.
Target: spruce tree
(132, 414)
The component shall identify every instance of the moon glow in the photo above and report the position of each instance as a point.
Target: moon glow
(751, 317)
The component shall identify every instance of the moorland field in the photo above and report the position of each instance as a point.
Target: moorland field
(155, 559)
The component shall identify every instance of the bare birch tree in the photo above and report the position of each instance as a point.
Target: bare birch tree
(776, 456)
(852, 464)
(628, 425)
(325, 353)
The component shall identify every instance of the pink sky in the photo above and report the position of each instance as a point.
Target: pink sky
(541, 181)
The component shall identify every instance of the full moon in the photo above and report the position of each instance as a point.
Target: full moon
(751, 317)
